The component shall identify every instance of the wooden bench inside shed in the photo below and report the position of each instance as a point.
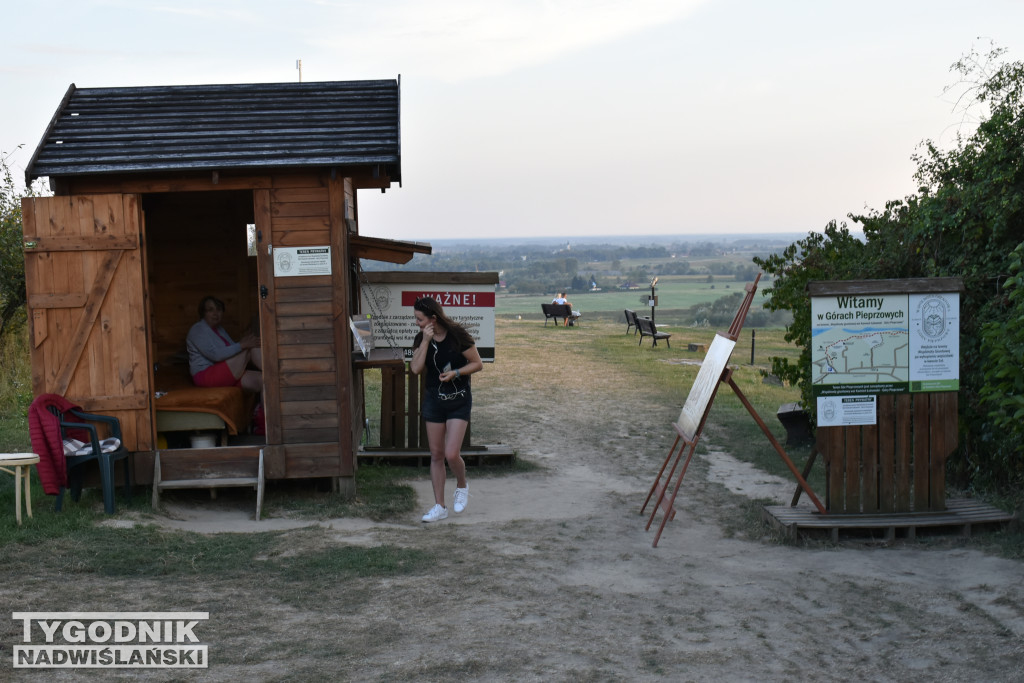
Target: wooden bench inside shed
(649, 329)
(209, 468)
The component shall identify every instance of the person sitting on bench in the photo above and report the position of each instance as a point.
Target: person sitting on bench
(560, 299)
(214, 359)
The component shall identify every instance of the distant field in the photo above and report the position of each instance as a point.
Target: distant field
(674, 294)
(698, 265)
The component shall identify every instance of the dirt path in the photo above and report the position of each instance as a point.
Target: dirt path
(550, 576)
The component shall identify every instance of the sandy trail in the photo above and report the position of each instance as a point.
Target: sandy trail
(549, 575)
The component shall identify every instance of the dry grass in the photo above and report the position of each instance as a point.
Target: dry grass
(575, 593)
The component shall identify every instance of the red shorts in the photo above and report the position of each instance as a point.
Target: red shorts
(217, 375)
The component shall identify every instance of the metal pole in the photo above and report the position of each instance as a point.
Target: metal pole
(651, 302)
(753, 334)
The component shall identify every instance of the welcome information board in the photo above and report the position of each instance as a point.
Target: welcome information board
(467, 298)
(873, 337)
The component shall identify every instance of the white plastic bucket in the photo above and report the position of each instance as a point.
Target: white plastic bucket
(203, 441)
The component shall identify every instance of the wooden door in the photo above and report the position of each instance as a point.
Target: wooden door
(84, 275)
(307, 367)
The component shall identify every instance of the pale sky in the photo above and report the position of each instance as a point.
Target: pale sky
(562, 117)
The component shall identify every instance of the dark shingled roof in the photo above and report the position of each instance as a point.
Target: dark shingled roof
(220, 127)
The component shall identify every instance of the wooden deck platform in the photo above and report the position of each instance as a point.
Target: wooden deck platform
(959, 517)
(474, 455)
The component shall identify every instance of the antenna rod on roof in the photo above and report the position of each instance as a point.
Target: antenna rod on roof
(298, 65)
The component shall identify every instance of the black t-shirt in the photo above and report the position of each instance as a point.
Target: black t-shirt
(440, 354)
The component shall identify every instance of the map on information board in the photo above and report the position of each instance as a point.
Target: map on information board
(884, 343)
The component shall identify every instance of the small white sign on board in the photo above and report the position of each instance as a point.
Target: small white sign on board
(846, 411)
(297, 261)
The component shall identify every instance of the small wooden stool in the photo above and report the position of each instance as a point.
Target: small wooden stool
(20, 462)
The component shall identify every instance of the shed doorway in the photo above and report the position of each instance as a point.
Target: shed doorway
(199, 244)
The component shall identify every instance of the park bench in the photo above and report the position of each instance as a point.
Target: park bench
(555, 311)
(631, 321)
(649, 329)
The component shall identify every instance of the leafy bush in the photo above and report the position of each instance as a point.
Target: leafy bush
(967, 221)
(12, 255)
(1002, 347)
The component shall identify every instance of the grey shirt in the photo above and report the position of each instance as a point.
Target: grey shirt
(205, 348)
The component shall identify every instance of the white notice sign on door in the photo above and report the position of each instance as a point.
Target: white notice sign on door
(295, 261)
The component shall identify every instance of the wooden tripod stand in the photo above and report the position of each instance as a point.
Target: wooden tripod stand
(712, 374)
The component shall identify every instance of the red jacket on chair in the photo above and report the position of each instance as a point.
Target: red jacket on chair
(47, 442)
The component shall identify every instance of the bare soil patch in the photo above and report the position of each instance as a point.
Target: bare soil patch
(550, 576)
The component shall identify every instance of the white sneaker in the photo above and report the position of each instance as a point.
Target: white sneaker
(436, 513)
(461, 499)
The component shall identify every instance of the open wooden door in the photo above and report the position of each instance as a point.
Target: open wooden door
(84, 275)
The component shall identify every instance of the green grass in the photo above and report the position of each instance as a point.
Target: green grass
(48, 524)
(730, 424)
(380, 495)
(336, 563)
(15, 392)
(675, 295)
(145, 550)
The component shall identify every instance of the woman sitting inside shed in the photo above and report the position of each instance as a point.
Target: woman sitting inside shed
(214, 359)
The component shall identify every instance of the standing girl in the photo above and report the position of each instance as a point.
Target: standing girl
(446, 352)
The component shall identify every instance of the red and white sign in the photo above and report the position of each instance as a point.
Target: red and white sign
(448, 298)
(390, 307)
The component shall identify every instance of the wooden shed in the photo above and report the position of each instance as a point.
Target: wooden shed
(165, 194)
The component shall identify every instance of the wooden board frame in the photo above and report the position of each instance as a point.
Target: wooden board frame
(694, 415)
(897, 464)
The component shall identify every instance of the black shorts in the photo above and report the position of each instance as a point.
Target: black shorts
(436, 409)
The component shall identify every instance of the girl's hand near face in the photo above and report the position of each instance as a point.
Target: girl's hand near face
(428, 331)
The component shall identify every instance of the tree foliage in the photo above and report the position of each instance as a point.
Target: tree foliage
(1002, 345)
(833, 254)
(12, 255)
(966, 220)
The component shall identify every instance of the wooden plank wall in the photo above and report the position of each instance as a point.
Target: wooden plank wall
(896, 465)
(400, 424)
(310, 389)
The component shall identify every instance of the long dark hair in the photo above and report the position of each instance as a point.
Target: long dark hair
(429, 307)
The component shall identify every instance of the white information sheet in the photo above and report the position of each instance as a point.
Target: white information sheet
(935, 342)
(846, 411)
(297, 261)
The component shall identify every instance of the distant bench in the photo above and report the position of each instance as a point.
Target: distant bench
(649, 329)
(631, 322)
(557, 311)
